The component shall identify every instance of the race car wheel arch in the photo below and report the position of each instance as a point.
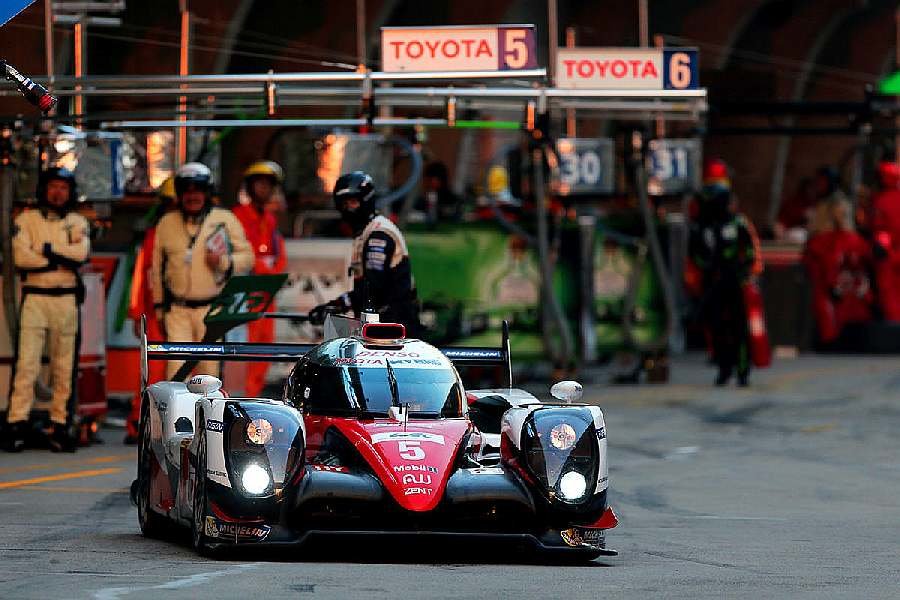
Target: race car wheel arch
(152, 523)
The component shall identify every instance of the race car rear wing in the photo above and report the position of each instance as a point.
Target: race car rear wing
(285, 352)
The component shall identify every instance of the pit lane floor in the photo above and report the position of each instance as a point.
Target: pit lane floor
(788, 489)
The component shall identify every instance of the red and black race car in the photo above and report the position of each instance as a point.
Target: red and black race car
(374, 434)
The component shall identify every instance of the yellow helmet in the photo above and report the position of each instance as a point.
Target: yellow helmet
(497, 180)
(166, 191)
(265, 167)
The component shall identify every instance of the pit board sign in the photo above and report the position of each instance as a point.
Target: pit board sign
(586, 166)
(464, 48)
(628, 68)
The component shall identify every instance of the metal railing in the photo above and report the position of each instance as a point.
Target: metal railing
(470, 89)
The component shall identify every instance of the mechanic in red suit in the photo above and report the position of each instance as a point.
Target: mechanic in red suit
(886, 238)
(141, 301)
(261, 181)
(838, 261)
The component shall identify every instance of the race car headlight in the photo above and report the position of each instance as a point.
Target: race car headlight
(255, 479)
(560, 450)
(259, 431)
(572, 486)
(264, 446)
(563, 436)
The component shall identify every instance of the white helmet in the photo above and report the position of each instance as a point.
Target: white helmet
(193, 173)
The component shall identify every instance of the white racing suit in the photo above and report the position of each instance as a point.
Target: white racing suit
(183, 284)
(48, 249)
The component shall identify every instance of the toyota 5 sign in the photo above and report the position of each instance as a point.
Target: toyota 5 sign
(627, 68)
(488, 48)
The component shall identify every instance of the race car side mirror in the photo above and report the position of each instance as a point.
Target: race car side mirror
(204, 385)
(567, 391)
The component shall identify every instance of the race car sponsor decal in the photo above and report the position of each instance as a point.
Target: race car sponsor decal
(213, 425)
(399, 359)
(420, 363)
(415, 468)
(177, 348)
(358, 362)
(419, 479)
(581, 536)
(329, 468)
(396, 436)
(239, 532)
(601, 433)
(416, 491)
(486, 353)
(388, 354)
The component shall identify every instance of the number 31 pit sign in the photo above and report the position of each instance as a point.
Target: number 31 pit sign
(627, 68)
(468, 48)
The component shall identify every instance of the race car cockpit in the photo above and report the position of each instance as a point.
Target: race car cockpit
(349, 377)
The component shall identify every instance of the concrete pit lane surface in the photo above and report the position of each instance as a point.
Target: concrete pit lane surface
(787, 489)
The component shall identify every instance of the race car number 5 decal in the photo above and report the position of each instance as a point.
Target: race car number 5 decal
(411, 451)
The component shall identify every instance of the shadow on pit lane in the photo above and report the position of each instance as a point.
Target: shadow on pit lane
(382, 551)
(377, 551)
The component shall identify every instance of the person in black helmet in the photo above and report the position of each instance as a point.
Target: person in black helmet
(382, 276)
(49, 245)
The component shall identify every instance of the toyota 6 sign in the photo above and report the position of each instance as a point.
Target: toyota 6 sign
(627, 68)
(488, 48)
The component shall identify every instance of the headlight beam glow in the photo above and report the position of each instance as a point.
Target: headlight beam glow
(572, 486)
(255, 479)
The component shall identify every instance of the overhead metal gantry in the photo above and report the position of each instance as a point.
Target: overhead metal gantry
(523, 93)
(481, 90)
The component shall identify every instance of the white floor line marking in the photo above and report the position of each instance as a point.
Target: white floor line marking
(182, 582)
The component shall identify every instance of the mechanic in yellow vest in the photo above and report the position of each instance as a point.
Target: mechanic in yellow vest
(49, 245)
(198, 248)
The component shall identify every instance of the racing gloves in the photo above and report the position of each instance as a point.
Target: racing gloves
(341, 304)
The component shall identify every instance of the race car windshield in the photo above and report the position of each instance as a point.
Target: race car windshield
(368, 391)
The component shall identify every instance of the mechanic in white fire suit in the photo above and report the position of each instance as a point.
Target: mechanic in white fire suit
(49, 245)
(198, 248)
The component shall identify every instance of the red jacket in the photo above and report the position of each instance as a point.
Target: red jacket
(141, 300)
(267, 242)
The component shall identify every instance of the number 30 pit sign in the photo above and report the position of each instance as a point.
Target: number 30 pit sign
(468, 48)
(627, 68)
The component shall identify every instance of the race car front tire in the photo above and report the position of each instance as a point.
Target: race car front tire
(153, 525)
(200, 506)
